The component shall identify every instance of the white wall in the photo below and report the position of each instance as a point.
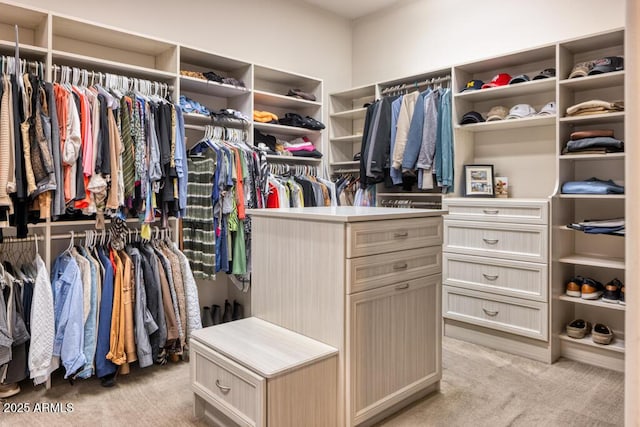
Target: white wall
(282, 34)
(422, 35)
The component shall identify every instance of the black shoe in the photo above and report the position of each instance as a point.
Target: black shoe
(238, 311)
(228, 312)
(612, 291)
(578, 328)
(207, 319)
(217, 314)
(591, 289)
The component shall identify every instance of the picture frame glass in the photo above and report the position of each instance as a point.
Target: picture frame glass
(478, 181)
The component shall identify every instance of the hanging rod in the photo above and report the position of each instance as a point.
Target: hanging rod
(416, 84)
(13, 239)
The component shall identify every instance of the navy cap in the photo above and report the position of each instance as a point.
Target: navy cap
(473, 85)
(471, 117)
(607, 65)
(545, 74)
(519, 79)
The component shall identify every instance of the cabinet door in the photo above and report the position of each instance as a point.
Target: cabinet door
(393, 346)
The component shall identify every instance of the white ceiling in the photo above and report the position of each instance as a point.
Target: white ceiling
(352, 9)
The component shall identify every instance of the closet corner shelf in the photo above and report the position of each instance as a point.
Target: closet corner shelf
(293, 159)
(591, 196)
(617, 345)
(509, 124)
(578, 157)
(356, 93)
(617, 117)
(615, 78)
(526, 88)
(282, 101)
(594, 261)
(595, 303)
(356, 113)
(7, 47)
(348, 138)
(206, 87)
(284, 130)
(87, 62)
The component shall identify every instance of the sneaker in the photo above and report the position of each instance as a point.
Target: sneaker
(578, 328)
(574, 287)
(621, 301)
(612, 291)
(8, 390)
(601, 334)
(591, 289)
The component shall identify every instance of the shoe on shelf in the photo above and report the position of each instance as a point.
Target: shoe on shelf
(602, 334)
(612, 291)
(621, 301)
(8, 390)
(207, 319)
(238, 311)
(227, 316)
(591, 289)
(574, 287)
(216, 314)
(578, 328)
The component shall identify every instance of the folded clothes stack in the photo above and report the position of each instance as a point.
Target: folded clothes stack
(302, 147)
(296, 120)
(615, 226)
(265, 117)
(595, 106)
(297, 93)
(592, 186)
(596, 141)
(189, 106)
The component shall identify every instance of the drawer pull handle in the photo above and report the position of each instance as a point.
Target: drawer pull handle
(490, 277)
(399, 235)
(490, 241)
(491, 211)
(490, 313)
(222, 388)
(401, 287)
(402, 266)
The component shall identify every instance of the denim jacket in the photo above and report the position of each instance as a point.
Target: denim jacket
(68, 310)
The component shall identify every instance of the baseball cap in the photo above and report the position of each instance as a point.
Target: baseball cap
(520, 111)
(497, 113)
(545, 74)
(471, 117)
(501, 79)
(473, 85)
(548, 110)
(581, 69)
(519, 79)
(607, 65)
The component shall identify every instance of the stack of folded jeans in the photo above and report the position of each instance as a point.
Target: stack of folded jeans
(596, 141)
(615, 226)
(592, 186)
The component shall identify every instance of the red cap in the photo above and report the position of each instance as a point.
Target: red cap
(501, 79)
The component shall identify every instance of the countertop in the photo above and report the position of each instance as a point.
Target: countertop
(345, 213)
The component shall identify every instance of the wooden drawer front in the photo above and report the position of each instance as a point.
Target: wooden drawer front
(377, 237)
(511, 278)
(237, 392)
(379, 270)
(518, 316)
(522, 212)
(517, 242)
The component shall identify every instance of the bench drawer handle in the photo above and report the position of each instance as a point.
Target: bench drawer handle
(223, 388)
(491, 211)
(402, 266)
(401, 287)
(490, 277)
(490, 241)
(490, 313)
(402, 234)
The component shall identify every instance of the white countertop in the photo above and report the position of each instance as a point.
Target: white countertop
(262, 347)
(345, 213)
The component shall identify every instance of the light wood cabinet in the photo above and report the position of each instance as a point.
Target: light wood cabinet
(366, 281)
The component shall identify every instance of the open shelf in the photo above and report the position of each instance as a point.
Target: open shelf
(357, 113)
(578, 157)
(616, 117)
(284, 130)
(282, 101)
(615, 78)
(594, 261)
(591, 196)
(617, 345)
(357, 93)
(518, 89)
(509, 124)
(348, 138)
(207, 87)
(26, 50)
(293, 159)
(593, 303)
(347, 163)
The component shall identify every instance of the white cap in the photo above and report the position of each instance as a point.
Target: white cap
(548, 110)
(520, 111)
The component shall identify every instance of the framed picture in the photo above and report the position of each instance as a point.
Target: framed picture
(478, 181)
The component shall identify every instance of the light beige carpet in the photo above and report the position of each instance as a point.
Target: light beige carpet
(480, 387)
